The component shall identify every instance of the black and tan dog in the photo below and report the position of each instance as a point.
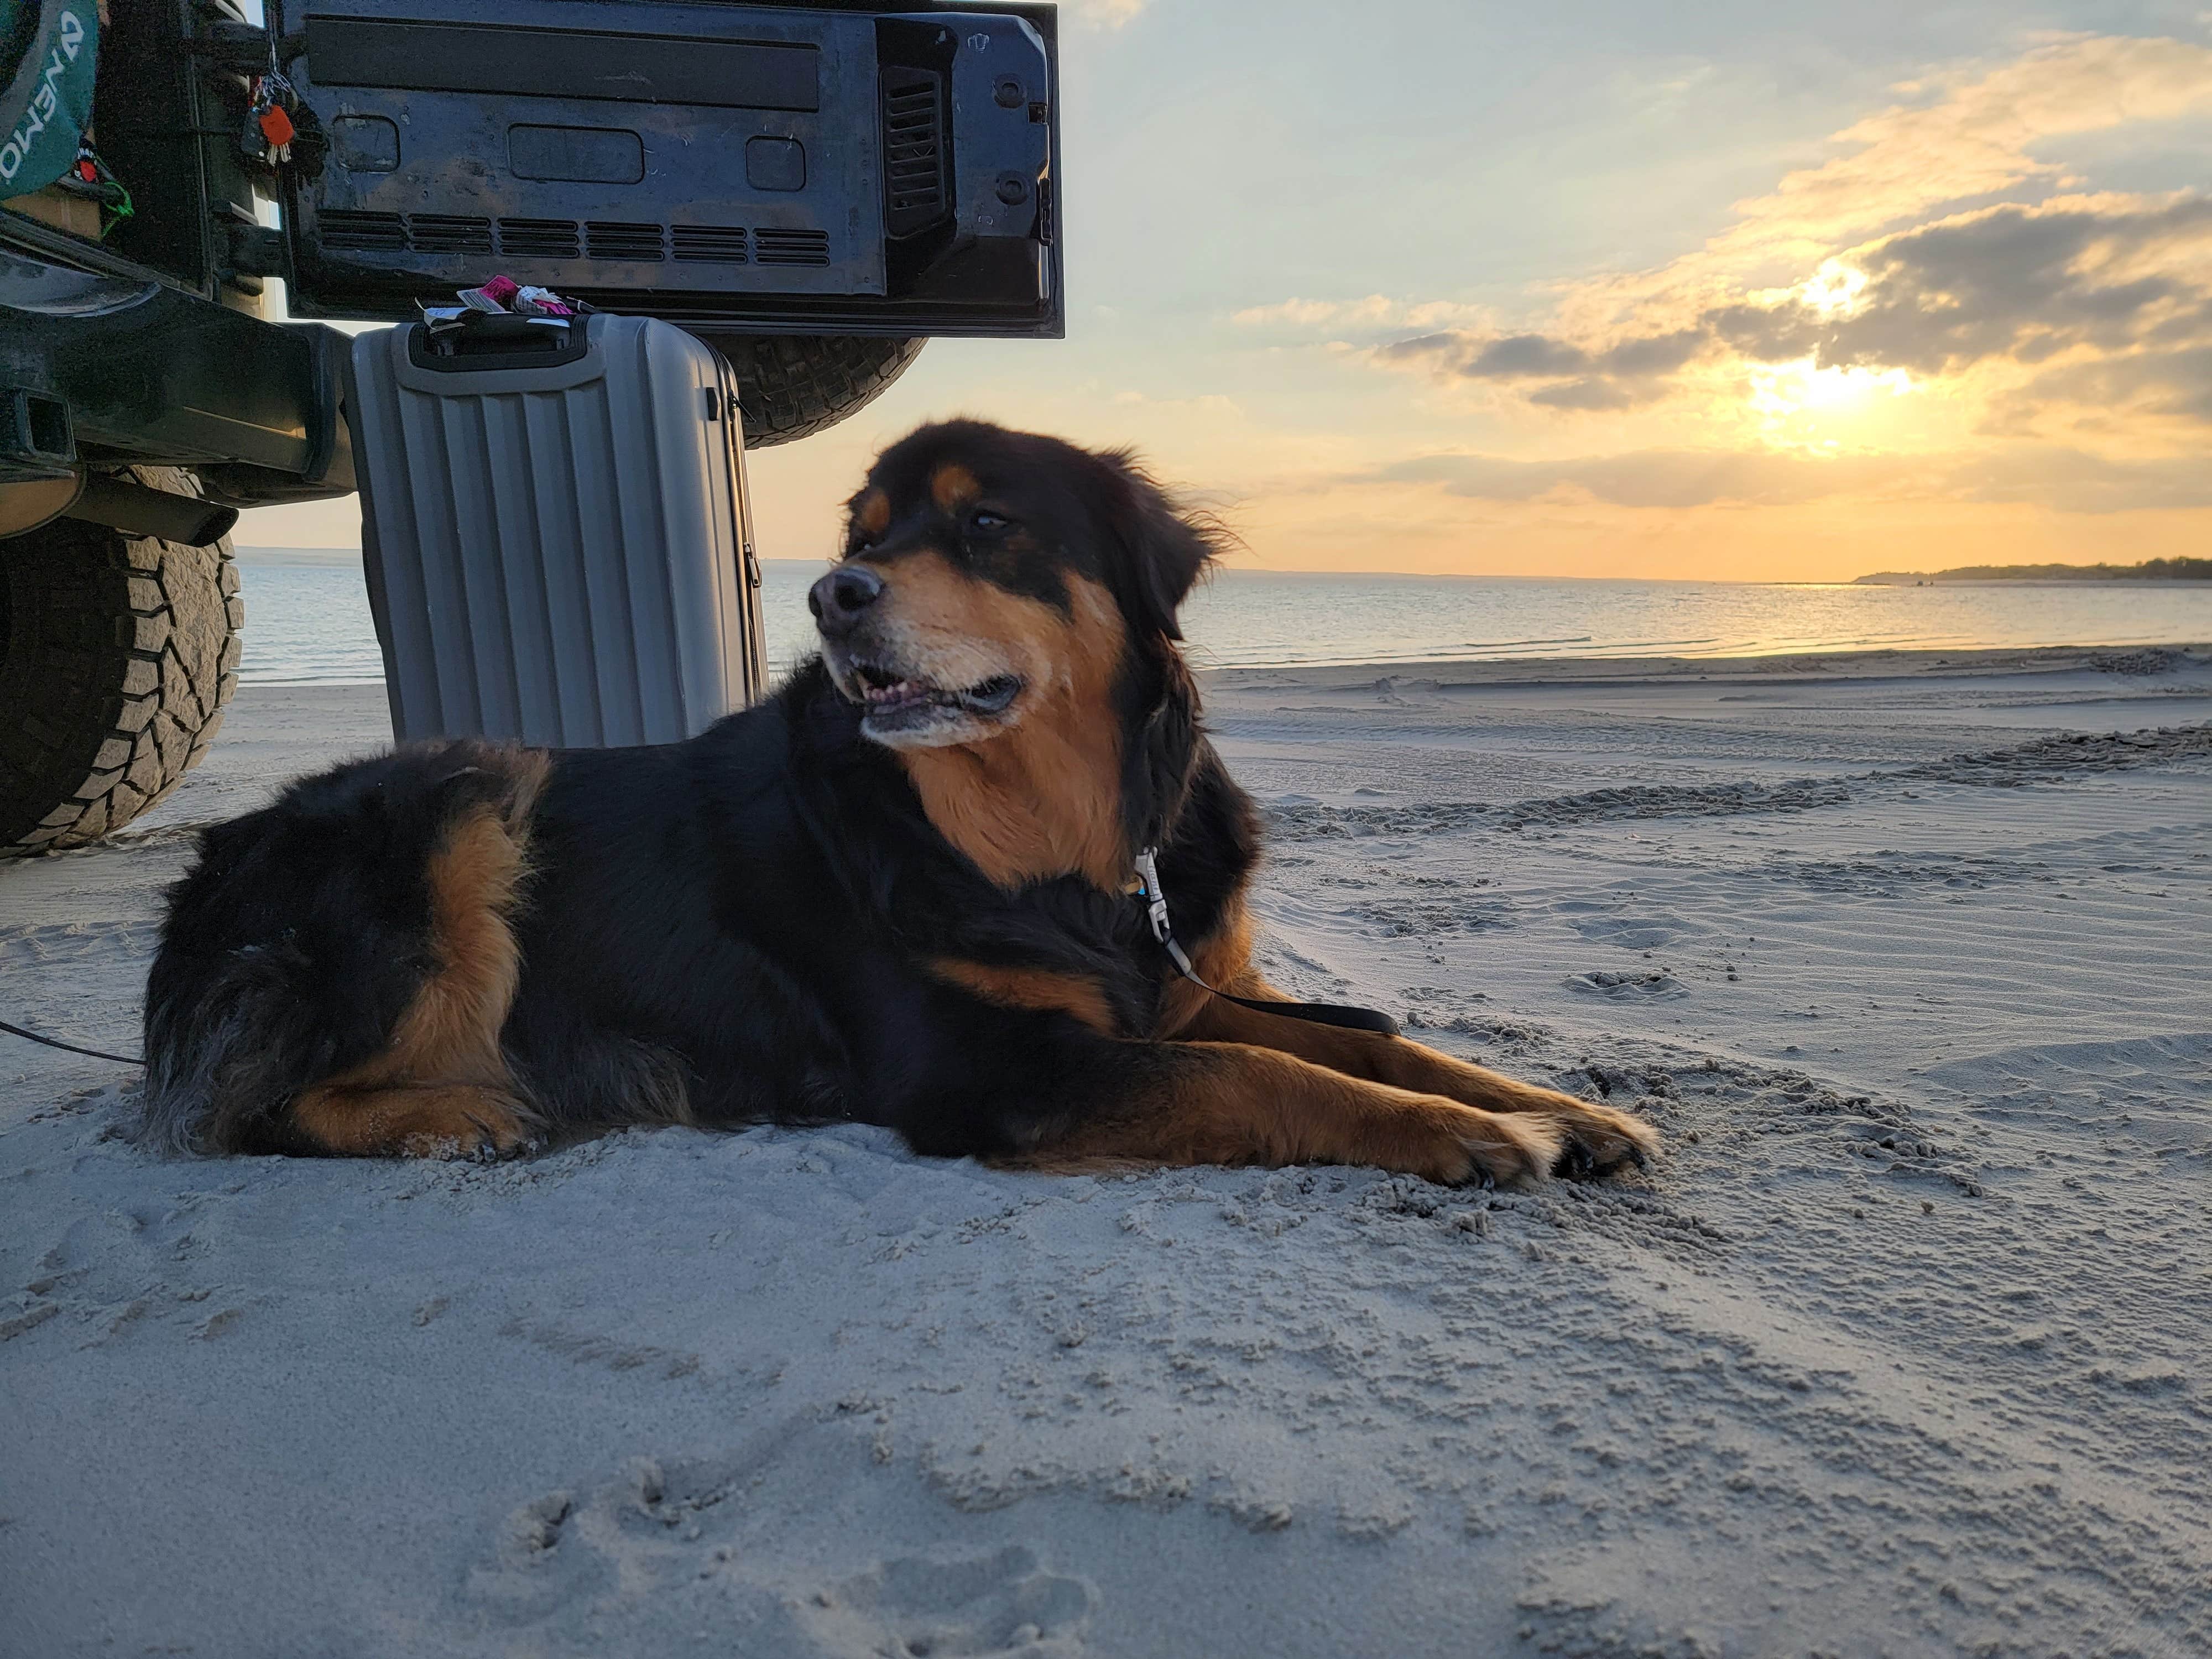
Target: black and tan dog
(897, 892)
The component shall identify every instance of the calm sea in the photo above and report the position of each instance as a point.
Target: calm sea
(306, 617)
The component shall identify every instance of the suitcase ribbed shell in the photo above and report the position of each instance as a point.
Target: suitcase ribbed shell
(557, 554)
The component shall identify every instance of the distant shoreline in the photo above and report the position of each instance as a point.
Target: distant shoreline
(2151, 570)
(2126, 660)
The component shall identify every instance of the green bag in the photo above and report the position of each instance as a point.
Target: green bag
(46, 92)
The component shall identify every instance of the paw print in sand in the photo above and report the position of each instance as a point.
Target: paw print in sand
(921, 1608)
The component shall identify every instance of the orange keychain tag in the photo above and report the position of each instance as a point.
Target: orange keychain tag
(276, 126)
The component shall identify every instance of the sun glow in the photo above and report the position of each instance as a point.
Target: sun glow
(1801, 404)
(1834, 289)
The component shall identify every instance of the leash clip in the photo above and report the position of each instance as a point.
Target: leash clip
(1156, 910)
(1147, 887)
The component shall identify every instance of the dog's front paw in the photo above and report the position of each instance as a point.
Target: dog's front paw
(478, 1140)
(458, 1123)
(1595, 1138)
(1456, 1145)
(1506, 1150)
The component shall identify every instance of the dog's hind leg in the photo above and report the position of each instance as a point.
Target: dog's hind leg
(414, 1119)
(442, 1087)
(1151, 1104)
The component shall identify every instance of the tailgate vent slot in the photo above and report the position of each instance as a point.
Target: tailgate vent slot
(791, 247)
(723, 245)
(541, 239)
(614, 238)
(361, 233)
(914, 148)
(447, 233)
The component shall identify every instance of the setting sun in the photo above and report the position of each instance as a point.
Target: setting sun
(1798, 404)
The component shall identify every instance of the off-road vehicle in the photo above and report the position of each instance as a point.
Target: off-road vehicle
(815, 189)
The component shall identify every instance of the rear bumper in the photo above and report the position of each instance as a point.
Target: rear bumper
(147, 373)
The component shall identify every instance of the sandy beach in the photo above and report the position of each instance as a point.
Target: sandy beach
(1904, 1347)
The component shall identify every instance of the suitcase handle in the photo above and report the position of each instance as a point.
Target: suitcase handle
(488, 342)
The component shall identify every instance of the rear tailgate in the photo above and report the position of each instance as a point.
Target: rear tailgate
(773, 168)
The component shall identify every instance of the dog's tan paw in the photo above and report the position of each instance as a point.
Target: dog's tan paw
(1596, 1139)
(474, 1123)
(1456, 1145)
(1507, 1152)
(474, 1140)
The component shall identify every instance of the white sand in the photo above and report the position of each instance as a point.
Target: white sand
(1906, 1348)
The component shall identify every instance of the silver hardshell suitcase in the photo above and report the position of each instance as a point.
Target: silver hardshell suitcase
(554, 521)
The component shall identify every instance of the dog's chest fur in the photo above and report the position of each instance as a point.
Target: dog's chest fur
(772, 902)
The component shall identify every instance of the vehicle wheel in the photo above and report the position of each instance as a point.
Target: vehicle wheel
(792, 385)
(117, 654)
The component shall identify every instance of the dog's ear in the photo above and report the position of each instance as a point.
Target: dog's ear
(1160, 756)
(1160, 547)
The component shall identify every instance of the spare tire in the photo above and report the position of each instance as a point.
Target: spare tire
(792, 385)
(118, 655)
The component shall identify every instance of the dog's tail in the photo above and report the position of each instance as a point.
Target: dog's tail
(309, 937)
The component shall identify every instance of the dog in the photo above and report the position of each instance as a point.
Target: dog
(899, 892)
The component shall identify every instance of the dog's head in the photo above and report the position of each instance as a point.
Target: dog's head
(990, 578)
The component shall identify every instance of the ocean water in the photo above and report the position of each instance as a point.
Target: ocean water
(307, 619)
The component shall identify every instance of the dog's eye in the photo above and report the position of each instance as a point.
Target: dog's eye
(984, 522)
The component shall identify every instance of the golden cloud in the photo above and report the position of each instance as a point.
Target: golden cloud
(2062, 336)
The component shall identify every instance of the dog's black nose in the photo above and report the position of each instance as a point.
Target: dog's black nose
(839, 597)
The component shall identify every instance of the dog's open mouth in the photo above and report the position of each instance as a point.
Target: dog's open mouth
(892, 698)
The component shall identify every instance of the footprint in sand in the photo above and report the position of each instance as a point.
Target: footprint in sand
(920, 1605)
(1646, 933)
(1656, 985)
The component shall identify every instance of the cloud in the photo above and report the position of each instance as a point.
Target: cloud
(1621, 375)
(1877, 275)
(2142, 388)
(2116, 277)
(2028, 282)
(1104, 14)
(1646, 478)
(1377, 312)
(1974, 139)
(2077, 481)
(1316, 314)
(1653, 354)
(1594, 393)
(1523, 356)
(1971, 137)
(2061, 478)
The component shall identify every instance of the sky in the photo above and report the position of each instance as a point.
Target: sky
(1743, 289)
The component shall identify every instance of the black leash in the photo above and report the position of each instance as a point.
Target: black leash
(1321, 1013)
(69, 1048)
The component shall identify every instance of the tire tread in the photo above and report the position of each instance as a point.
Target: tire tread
(792, 385)
(122, 654)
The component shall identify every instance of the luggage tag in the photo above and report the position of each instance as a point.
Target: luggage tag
(543, 302)
(492, 296)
